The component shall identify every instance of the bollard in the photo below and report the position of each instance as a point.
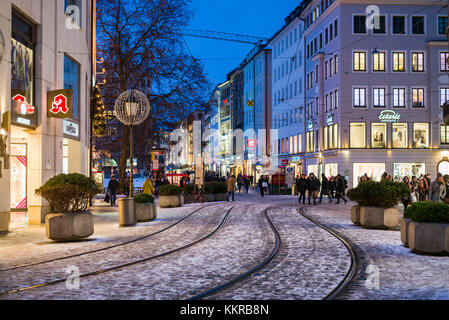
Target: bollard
(126, 212)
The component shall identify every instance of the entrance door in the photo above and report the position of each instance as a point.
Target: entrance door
(19, 177)
(443, 167)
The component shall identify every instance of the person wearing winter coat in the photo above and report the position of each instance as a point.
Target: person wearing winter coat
(230, 183)
(325, 188)
(112, 189)
(312, 186)
(148, 187)
(340, 188)
(438, 189)
(301, 185)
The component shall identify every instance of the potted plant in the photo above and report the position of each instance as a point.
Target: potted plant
(425, 228)
(188, 191)
(170, 196)
(68, 196)
(377, 203)
(146, 209)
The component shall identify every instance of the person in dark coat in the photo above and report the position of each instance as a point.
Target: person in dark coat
(312, 186)
(112, 189)
(325, 188)
(331, 187)
(340, 188)
(301, 185)
(260, 183)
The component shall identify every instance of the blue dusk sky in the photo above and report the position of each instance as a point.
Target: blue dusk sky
(248, 17)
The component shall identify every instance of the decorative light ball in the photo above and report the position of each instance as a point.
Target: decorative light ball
(132, 107)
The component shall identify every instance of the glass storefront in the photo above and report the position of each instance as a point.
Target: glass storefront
(373, 170)
(443, 167)
(357, 135)
(378, 135)
(420, 135)
(18, 198)
(312, 168)
(400, 170)
(400, 135)
(331, 169)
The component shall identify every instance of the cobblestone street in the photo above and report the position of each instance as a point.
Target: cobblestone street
(190, 250)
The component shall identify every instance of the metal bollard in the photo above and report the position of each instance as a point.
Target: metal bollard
(126, 212)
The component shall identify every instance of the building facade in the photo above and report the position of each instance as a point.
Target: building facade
(47, 47)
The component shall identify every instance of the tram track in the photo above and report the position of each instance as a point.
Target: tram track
(25, 265)
(128, 264)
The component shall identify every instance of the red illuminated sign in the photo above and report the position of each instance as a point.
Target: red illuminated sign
(20, 98)
(251, 143)
(225, 101)
(59, 103)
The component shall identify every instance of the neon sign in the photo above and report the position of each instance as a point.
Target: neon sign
(59, 103)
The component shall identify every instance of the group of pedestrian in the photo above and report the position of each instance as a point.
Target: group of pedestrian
(243, 180)
(334, 188)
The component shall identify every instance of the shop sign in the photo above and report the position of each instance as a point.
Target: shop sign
(71, 128)
(296, 159)
(284, 162)
(330, 118)
(22, 114)
(251, 144)
(290, 176)
(59, 103)
(389, 116)
(310, 125)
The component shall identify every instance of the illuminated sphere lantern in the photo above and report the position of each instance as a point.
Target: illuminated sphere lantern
(132, 108)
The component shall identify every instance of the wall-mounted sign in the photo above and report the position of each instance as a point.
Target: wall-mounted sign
(296, 159)
(251, 143)
(330, 118)
(389, 116)
(310, 125)
(71, 129)
(59, 103)
(22, 113)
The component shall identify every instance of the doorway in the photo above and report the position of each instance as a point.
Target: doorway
(19, 159)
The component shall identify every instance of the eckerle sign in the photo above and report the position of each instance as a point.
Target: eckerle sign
(389, 116)
(59, 103)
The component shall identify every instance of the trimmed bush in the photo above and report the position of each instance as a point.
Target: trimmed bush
(428, 211)
(215, 187)
(384, 194)
(209, 188)
(189, 188)
(143, 198)
(68, 193)
(169, 190)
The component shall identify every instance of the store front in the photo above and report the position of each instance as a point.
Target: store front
(331, 169)
(372, 170)
(443, 167)
(18, 167)
(400, 170)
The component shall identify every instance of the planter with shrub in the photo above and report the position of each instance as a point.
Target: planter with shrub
(377, 201)
(425, 228)
(188, 190)
(170, 196)
(209, 191)
(146, 209)
(220, 191)
(68, 196)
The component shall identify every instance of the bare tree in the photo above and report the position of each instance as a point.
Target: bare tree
(142, 48)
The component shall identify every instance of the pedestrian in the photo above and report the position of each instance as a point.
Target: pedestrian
(246, 183)
(181, 182)
(230, 183)
(325, 188)
(438, 189)
(112, 189)
(148, 186)
(261, 184)
(446, 182)
(301, 185)
(406, 200)
(340, 188)
(313, 187)
(240, 182)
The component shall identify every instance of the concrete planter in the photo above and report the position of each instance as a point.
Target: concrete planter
(221, 197)
(428, 238)
(4, 222)
(404, 230)
(145, 212)
(210, 197)
(188, 198)
(70, 226)
(376, 217)
(171, 201)
(355, 215)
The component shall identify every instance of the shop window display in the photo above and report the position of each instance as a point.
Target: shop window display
(378, 135)
(420, 135)
(400, 136)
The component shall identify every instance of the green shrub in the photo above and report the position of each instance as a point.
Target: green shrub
(143, 198)
(68, 193)
(189, 188)
(209, 188)
(169, 190)
(428, 211)
(384, 194)
(215, 187)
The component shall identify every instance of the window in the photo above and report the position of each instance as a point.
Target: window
(417, 25)
(420, 135)
(331, 97)
(379, 61)
(330, 137)
(331, 67)
(382, 28)
(378, 135)
(418, 98)
(326, 36)
(310, 143)
(399, 98)
(400, 135)
(359, 97)
(398, 61)
(336, 99)
(326, 99)
(331, 32)
(321, 40)
(442, 25)
(335, 29)
(335, 64)
(359, 24)
(71, 81)
(326, 69)
(444, 134)
(316, 74)
(398, 25)
(357, 135)
(417, 61)
(359, 61)
(444, 56)
(379, 97)
(444, 95)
